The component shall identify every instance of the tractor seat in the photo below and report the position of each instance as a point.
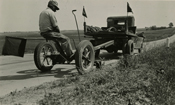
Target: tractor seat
(46, 37)
(49, 38)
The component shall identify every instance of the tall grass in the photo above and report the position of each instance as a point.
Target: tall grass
(161, 64)
(148, 78)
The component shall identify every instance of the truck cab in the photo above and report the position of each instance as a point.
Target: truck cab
(122, 23)
(121, 30)
(116, 26)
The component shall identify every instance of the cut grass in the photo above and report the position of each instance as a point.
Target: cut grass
(144, 79)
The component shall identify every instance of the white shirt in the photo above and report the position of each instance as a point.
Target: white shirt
(47, 20)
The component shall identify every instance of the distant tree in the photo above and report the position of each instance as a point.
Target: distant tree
(153, 27)
(171, 25)
(147, 28)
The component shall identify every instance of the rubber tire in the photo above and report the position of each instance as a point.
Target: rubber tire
(37, 60)
(130, 47)
(78, 56)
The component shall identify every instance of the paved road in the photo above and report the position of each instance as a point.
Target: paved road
(17, 73)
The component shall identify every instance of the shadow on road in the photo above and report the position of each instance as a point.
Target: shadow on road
(35, 73)
(57, 72)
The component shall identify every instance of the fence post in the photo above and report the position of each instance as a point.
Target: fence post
(168, 42)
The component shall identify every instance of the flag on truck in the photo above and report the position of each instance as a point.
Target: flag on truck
(84, 12)
(129, 8)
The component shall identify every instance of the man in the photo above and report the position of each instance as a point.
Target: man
(49, 28)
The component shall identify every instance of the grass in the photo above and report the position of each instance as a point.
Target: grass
(144, 79)
(152, 35)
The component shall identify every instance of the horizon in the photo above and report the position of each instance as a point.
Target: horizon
(61, 30)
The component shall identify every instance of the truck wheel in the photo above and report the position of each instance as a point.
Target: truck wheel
(84, 56)
(42, 56)
(130, 47)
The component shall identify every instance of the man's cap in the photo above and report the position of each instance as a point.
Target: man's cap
(53, 3)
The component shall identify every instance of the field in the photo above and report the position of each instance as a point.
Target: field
(145, 79)
(152, 35)
(33, 38)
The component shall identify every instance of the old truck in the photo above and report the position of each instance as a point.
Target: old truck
(120, 33)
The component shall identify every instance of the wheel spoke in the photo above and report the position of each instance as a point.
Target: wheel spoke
(43, 60)
(87, 54)
(85, 57)
(47, 61)
(46, 50)
(49, 50)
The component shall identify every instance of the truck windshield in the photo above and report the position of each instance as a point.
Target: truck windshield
(121, 23)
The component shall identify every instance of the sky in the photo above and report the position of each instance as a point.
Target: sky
(23, 15)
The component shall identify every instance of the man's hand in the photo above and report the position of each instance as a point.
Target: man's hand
(56, 29)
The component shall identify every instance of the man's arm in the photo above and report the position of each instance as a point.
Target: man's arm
(56, 29)
(54, 22)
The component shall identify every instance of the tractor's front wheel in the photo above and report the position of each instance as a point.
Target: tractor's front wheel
(84, 56)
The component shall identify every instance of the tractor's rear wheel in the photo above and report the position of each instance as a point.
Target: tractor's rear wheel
(42, 56)
(84, 57)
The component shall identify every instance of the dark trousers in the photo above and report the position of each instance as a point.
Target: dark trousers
(64, 40)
